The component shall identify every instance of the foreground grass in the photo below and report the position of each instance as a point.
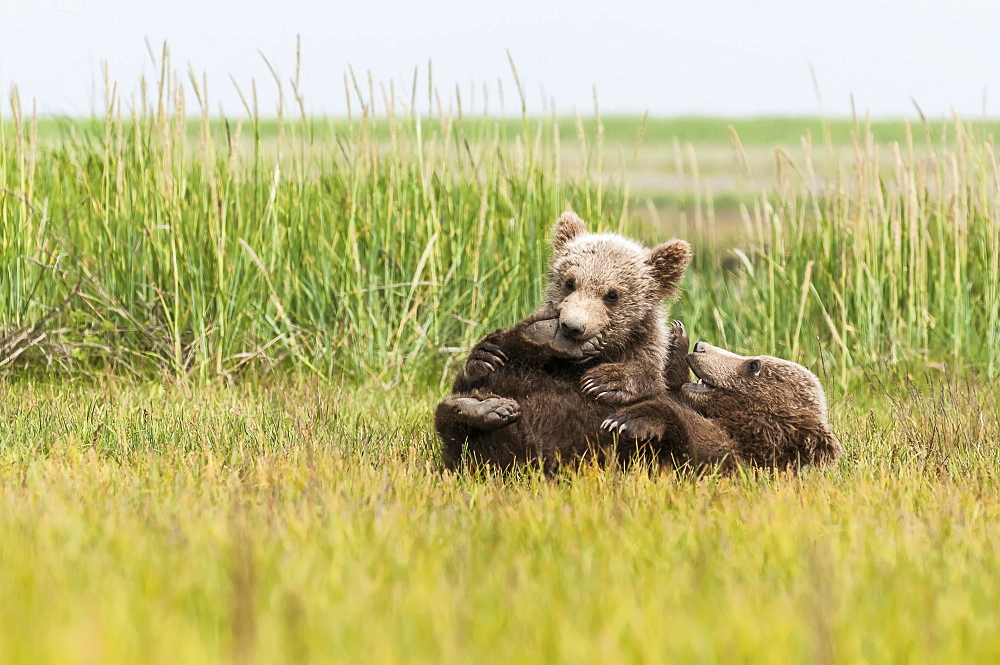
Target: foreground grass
(299, 522)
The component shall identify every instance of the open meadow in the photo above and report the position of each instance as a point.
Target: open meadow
(221, 342)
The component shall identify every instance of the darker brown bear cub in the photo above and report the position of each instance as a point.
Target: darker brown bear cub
(537, 393)
(758, 410)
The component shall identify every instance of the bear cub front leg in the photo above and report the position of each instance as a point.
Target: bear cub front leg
(677, 371)
(628, 382)
(648, 419)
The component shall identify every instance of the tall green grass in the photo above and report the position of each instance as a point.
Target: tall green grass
(375, 247)
(127, 244)
(890, 263)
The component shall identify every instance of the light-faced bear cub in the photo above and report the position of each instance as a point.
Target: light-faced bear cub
(537, 393)
(757, 410)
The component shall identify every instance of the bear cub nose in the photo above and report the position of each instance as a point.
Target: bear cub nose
(699, 347)
(572, 328)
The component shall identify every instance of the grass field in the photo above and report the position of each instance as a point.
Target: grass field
(221, 342)
(295, 522)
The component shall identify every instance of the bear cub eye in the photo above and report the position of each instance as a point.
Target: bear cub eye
(612, 297)
(570, 284)
(753, 366)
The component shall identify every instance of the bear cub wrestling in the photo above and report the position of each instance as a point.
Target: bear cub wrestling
(537, 393)
(759, 410)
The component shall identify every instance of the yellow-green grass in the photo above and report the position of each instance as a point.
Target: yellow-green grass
(295, 522)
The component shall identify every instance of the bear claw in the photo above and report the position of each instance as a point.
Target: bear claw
(640, 429)
(677, 371)
(486, 357)
(613, 424)
(680, 336)
(606, 383)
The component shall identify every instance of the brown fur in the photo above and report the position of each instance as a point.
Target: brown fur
(544, 418)
(519, 399)
(586, 269)
(759, 410)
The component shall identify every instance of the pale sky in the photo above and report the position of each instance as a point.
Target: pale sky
(730, 57)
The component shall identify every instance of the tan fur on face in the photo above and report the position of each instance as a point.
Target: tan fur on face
(605, 263)
(776, 384)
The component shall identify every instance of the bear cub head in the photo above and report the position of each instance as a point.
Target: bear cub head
(763, 398)
(608, 290)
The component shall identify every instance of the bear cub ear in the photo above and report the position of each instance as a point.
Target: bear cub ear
(668, 262)
(567, 227)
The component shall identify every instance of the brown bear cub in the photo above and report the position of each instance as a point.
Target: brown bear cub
(758, 410)
(537, 393)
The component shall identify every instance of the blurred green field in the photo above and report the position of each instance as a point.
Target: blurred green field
(767, 132)
(221, 341)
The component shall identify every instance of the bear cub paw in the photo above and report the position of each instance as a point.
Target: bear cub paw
(608, 383)
(634, 427)
(678, 372)
(487, 413)
(679, 337)
(545, 332)
(484, 358)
